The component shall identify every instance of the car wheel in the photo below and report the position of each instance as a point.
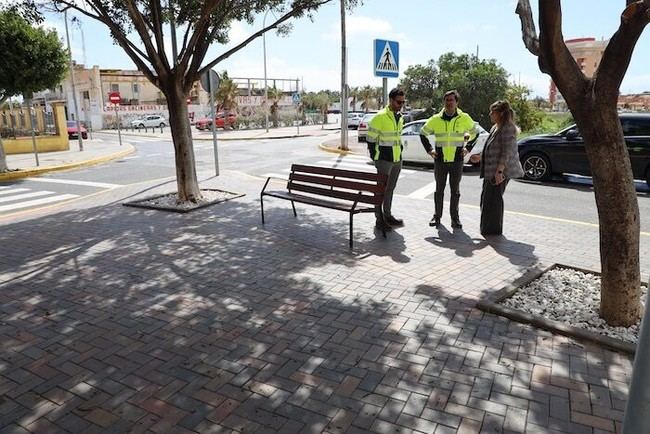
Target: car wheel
(162, 125)
(647, 177)
(140, 126)
(536, 167)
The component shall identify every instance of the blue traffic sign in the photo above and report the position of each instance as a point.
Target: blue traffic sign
(386, 58)
(295, 98)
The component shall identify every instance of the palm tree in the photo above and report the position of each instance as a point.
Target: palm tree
(354, 94)
(367, 96)
(275, 95)
(227, 93)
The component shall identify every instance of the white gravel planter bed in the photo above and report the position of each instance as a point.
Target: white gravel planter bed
(571, 297)
(169, 201)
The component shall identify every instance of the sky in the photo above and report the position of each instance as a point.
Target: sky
(424, 29)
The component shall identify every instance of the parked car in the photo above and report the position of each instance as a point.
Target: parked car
(414, 151)
(354, 118)
(222, 120)
(149, 121)
(544, 155)
(362, 131)
(73, 132)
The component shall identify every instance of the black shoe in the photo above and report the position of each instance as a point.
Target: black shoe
(383, 226)
(456, 224)
(435, 221)
(394, 222)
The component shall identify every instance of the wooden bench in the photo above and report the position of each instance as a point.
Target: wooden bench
(344, 190)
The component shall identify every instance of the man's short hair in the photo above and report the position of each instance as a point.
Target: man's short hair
(453, 92)
(394, 93)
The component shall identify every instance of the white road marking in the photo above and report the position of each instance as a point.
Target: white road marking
(284, 176)
(423, 192)
(13, 190)
(24, 195)
(36, 202)
(75, 182)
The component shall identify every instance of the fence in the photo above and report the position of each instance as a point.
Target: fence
(17, 122)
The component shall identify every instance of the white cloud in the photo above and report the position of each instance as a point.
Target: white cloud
(358, 25)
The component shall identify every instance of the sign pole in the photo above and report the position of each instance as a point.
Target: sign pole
(214, 125)
(384, 83)
(119, 133)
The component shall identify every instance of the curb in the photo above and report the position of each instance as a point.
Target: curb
(491, 305)
(293, 136)
(17, 174)
(326, 148)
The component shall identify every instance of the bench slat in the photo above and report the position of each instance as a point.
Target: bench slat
(340, 183)
(343, 195)
(340, 173)
(316, 201)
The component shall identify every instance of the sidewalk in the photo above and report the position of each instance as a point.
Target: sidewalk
(95, 152)
(257, 134)
(115, 319)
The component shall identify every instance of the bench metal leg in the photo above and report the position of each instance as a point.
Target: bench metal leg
(293, 205)
(351, 225)
(262, 206)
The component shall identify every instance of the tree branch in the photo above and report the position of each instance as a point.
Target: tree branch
(200, 31)
(555, 57)
(257, 34)
(528, 31)
(129, 48)
(157, 29)
(618, 53)
(138, 22)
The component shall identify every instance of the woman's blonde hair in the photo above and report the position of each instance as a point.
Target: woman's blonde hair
(506, 114)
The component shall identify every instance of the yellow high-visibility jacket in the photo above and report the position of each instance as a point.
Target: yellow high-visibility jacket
(384, 141)
(449, 133)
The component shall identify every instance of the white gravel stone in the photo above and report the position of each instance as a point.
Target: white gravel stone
(571, 297)
(171, 200)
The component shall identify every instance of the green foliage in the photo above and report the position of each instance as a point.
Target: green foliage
(479, 82)
(527, 116)
(227, 93)
(33, 59)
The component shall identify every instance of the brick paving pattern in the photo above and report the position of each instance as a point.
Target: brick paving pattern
(116, 319)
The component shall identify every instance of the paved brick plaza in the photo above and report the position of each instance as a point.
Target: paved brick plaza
(116, 319)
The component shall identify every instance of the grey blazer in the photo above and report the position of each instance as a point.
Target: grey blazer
(501, 148)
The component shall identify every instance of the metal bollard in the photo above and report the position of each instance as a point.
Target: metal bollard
(637, 408)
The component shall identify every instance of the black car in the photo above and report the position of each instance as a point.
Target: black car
(545, 155)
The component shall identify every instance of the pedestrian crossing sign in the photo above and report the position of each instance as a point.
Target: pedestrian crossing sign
(386, 58)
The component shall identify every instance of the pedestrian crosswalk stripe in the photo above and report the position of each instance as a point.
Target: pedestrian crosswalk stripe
(284, 176)
(36, 202)
(75, 182)
(359, 165)
(4, 188)
(13, 190)
(16, 197)
(423, 192)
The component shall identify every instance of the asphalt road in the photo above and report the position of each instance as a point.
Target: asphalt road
(154, 160)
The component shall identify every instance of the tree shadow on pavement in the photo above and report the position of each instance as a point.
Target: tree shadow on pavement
(115, 319)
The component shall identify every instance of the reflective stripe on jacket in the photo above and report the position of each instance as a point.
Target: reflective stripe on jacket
(384, 136)
(449, 134)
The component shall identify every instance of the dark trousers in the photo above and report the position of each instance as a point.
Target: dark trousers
(392, 170)
(455, 172)
(492, 207)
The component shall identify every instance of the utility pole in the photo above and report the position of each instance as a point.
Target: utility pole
(344, 85)
(74, 91)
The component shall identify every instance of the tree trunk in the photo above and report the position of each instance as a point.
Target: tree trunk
(618, 213)
(3, 158)
(179, 123)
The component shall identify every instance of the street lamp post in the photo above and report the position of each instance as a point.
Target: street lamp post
(74, 91)
(344, 85)
(266, 89)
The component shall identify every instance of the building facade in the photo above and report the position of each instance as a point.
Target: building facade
(587, 52)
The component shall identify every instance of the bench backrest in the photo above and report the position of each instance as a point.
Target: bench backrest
(338, 183)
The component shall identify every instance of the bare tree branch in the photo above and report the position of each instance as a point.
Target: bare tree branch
(555, 57)
(200, 31)
(618, 53)
(528, 31)
(139, 23)
(156, 28)
(257, 34)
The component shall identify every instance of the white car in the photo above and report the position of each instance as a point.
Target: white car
(354, 118)
(414, 151)
(149, 121)
(362, 133)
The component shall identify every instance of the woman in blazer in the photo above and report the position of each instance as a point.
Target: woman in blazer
(499, 163)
